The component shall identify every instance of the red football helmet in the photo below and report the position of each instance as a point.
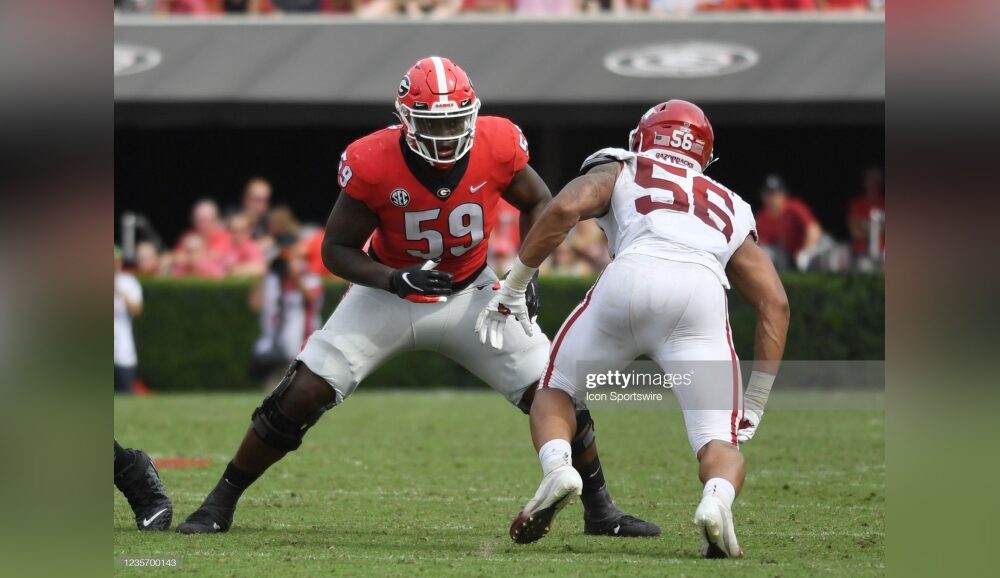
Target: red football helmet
(677, 126)
(437, 105)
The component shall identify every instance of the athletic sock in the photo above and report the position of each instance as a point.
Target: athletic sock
(231, 486)
(597, 502)
(240, 479)
(123, 458)
(555, 453)
(721, 488)
(593, 477)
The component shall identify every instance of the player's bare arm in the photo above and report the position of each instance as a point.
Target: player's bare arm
(585, 197)
(751, 272)
(350, 225)
(530, 195)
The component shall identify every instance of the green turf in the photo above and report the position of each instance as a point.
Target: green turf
(404, 484)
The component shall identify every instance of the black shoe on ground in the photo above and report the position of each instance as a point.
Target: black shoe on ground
(141, 485)
(210, 518)
(621, 525)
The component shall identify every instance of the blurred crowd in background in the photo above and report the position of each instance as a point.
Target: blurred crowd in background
(256, 233)
(257, 238)
(448, 8)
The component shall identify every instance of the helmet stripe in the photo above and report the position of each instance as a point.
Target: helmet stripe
(442, 80)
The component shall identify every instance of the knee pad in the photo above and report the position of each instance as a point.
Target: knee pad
(585, 432)
(281, 424)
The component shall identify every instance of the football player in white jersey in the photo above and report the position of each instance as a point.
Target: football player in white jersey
(678, 240)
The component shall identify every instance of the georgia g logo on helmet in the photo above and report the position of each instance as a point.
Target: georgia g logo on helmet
(437, 106)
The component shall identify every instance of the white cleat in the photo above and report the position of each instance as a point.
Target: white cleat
(718, 534)
(556, 490)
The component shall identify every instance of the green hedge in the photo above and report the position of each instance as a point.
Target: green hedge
(197, 334)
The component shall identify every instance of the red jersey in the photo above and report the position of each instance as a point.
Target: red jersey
(787, 230)
(861, 209)
(425, 213)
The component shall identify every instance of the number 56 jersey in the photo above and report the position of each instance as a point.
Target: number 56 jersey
(663, 206)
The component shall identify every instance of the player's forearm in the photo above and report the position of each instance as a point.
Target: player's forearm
(770, 335)
(531, 216)
(548, 232)
(354, 265)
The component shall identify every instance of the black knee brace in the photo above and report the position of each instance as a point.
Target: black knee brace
(584, 436)
(274, 426)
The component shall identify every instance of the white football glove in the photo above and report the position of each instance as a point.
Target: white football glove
(748, 425)
(509, 300)
(492, 320)
(754, 399)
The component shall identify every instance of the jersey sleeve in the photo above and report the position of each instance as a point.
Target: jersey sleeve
(521, 155)
(355, 174)
(744, 224)
(605, 156)
(345, 178)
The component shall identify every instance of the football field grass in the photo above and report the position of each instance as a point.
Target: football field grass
(408, 484)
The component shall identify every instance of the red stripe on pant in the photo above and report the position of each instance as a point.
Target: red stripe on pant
(562, 333)
(736, 377)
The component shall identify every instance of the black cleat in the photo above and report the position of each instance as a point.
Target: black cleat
(141, 485)
(621, 525)
(208, 519)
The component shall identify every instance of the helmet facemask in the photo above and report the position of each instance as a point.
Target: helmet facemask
(441, 136)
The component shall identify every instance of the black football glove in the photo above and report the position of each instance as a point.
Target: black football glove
(531, 296)
(417, 280)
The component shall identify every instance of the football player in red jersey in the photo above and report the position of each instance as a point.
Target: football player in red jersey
(426, 193)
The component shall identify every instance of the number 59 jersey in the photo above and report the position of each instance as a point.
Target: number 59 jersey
(424, 213)
(663, 206)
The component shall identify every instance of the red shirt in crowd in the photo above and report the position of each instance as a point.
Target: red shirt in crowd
(506, 239)
(728, 5)
(786, 230)
(218, 244)
(861, 209)
(245, 252)
(847, 5)
(313, 249)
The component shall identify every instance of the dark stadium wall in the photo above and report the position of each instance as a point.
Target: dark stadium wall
(161, 171)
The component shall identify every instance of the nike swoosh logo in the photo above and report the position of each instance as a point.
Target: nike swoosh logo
(477, 187)
(595, 473)
(406, 279)
(618, 527)
(147, 521)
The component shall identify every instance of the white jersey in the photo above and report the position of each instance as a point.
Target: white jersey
(125, 286)
(663, 206)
